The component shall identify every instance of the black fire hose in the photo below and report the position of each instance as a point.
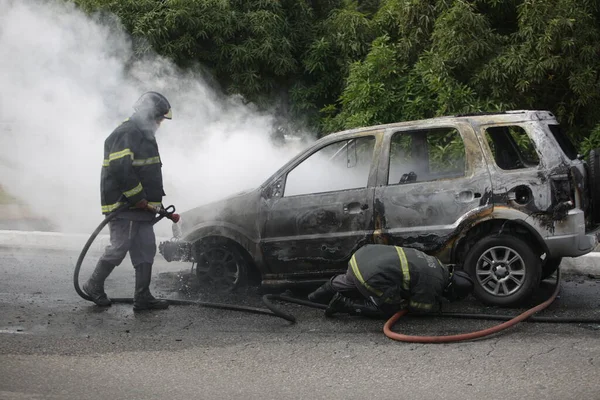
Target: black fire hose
(268, 298)
(512, 319)
(128, 300)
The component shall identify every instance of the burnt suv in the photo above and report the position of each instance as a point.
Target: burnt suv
(505, 196)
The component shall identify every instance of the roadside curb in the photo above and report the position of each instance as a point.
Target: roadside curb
(36, 240)
(588, 264)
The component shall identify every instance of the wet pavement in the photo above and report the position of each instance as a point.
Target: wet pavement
(55, 345)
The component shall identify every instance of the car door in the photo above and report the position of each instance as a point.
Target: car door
(432, 180)
(321, 209)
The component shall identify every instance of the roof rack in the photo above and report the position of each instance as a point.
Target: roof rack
(481, 113)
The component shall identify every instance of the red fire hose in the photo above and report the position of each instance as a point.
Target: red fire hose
(387, 328)
(510, 320)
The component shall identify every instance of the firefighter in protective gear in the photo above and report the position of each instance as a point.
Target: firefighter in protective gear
(383, 279)
(131, 173)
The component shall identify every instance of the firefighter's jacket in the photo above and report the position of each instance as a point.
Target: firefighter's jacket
(398, 275)
(131, 166)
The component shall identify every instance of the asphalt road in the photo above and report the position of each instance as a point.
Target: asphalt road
(54, 345)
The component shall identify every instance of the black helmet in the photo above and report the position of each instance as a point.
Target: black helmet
(459, 287)
(153, 105)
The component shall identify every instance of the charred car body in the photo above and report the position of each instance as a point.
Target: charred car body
(504, 196)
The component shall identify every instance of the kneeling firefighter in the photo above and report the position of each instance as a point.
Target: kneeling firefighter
(383, 279)
(131, 173)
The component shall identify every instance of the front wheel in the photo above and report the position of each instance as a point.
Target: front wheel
(220, 265)
(504, 268)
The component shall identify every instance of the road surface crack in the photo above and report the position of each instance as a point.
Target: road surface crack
(539, 354)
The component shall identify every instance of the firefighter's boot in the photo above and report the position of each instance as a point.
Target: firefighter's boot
(362, 307)
(94, 287)
(323, 294)
(143, 299)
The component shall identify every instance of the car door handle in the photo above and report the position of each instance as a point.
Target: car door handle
(355, 208)
(467, 196)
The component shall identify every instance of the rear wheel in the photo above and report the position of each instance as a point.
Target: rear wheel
(504, 268)
(220, 265)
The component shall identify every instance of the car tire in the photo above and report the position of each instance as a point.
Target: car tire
(593, 163)
(505, 270)
(550, 266)
(220, 265)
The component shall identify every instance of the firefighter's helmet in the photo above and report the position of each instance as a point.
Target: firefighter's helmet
(154, 104)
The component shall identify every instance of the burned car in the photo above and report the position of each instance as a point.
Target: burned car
(504, 196)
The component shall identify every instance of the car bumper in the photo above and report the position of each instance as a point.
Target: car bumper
(573, 245)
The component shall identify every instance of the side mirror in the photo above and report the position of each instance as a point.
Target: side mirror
(273, 190)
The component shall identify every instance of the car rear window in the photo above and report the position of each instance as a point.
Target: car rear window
(563, 141)
(512, 148)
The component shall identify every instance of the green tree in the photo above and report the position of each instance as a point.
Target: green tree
(340, 39)
(551, 62)
(336, 64)
(446, 57)
(251, 46)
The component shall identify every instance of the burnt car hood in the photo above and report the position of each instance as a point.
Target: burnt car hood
(239, 210)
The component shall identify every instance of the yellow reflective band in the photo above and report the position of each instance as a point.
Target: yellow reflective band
(147, 161)
(424, 306)
(154, 203)
(120, 154)
(359, 276)
(135, 163)
(134, 191)
(405, 271)
(111, 207)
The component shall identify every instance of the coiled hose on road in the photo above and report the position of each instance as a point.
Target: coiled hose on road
(272, 310)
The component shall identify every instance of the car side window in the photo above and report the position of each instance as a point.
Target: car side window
(426, 155)
(338, 166)
(511, 147)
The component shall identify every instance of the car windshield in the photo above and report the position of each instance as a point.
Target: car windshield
(338, 166)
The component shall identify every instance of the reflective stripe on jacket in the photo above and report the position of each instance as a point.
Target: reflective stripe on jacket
(131, 167)
(393, 274)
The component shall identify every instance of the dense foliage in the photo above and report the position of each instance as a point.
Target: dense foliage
(337, 64)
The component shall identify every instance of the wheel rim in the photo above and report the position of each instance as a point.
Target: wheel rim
(219, 265)
(500, 271)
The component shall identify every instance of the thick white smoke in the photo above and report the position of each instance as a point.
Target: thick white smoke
(64, 87)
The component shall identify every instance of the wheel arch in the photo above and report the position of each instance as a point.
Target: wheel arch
(247, 247)
(517, 226)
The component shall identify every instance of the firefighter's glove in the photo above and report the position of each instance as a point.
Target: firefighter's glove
(143, 204)
(174, 217)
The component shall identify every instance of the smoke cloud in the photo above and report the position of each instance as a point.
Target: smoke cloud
(68, 80)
